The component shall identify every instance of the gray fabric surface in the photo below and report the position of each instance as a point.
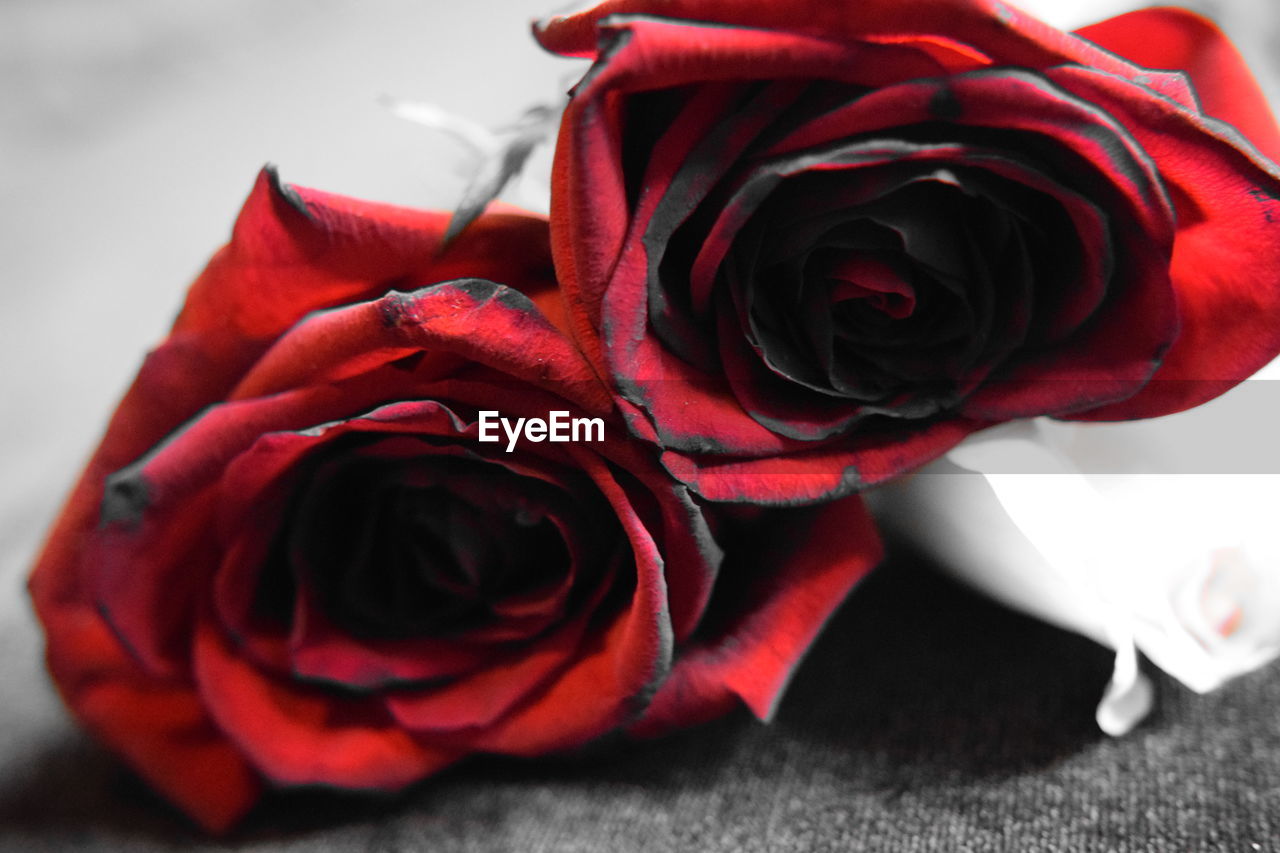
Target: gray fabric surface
(925, 719)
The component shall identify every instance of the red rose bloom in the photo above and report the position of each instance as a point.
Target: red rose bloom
(815, 244)
(294, 559)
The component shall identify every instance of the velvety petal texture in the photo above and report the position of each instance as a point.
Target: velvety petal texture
(306, 554)
(815, 244)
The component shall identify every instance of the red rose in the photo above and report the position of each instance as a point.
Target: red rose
(817, 243)
(294, 559)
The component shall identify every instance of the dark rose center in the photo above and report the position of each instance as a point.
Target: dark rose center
(432, 546)
(897, 288)
(863, 280)
(848, 282)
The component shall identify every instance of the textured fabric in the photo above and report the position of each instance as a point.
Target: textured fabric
(925, 719)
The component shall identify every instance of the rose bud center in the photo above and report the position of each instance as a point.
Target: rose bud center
(438, 545)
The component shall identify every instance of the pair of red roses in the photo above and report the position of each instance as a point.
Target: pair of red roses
(798, 248)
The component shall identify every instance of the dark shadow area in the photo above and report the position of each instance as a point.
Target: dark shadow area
(922, 673)
(76, 786)
(925, 714)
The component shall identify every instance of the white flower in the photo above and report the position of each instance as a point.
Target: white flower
(1120, 533)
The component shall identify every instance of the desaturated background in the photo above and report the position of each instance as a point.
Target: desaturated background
(130, 133)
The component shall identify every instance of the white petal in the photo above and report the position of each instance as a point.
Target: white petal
(1082, 525)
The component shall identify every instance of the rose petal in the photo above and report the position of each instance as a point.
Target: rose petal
(1226, 256)
(679, 183)
(294, 251)
(991, 31)
(820, 473)
(470, 319)
(161, 728)
(780, 597)
(692, 555)
(1179, 38)
(148, 562)
(299, 735)
(484, 696)
(618, 665)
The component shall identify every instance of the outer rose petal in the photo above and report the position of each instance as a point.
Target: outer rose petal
(145, 566)
(300, 735)
(1000, 33)
(813, 475)
(481, 698)
(160, 728)
(472, 319)
(294, 251)
(620, 666)
(789, 597)
(1226, 255)
(1179, 38)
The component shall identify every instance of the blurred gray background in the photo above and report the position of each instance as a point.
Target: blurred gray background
(130, 133)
